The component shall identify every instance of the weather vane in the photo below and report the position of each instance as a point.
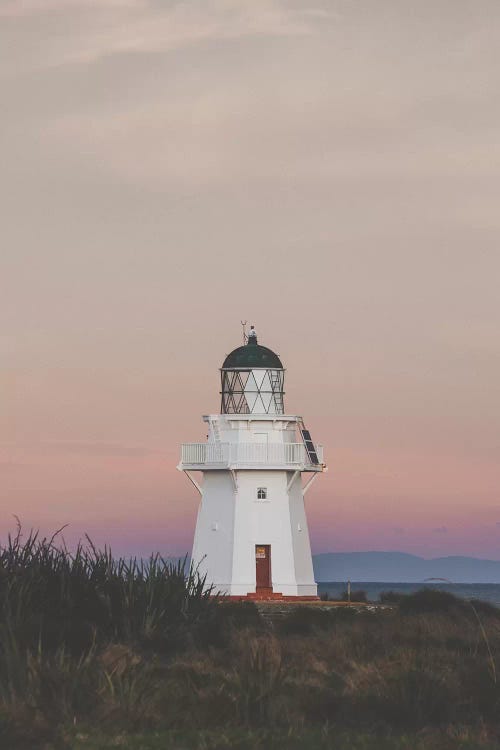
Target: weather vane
(244, 326)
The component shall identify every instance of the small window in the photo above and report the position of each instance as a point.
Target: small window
(261, 493)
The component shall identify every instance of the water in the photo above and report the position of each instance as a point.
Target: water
(487, 592)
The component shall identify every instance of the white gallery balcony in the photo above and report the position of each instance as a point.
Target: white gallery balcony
(292, 456)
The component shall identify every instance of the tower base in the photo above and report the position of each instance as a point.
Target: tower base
(258, 597)
(296, 591)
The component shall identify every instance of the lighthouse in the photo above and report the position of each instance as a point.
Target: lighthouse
(257, 464)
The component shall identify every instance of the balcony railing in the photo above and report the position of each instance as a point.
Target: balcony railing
(221, 455)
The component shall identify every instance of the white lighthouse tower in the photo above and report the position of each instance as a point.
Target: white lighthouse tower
(251, 536)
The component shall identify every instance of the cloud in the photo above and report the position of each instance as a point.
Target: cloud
(91, 448)
(215, 113)
(14, 465)
(24, 8)
(95, 448)
(398, 530)
(440, 530)
(111, 27)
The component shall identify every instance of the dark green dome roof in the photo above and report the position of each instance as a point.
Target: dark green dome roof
(252, 355)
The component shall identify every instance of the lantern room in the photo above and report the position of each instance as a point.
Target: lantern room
(252, 380)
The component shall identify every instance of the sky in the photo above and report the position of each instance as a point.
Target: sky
(328, 171)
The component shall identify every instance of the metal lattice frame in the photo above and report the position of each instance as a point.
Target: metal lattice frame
(235, 399)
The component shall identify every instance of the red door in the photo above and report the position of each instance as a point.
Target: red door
(263, 568)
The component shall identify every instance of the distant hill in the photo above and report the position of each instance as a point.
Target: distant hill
(399, 567)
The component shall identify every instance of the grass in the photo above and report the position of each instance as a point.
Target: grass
(312, 739)
(97, 652)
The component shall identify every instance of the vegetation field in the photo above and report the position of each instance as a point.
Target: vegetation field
(97, 653)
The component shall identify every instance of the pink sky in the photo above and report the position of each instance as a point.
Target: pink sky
(329, 172)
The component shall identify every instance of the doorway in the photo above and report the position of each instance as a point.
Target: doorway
(263, 568)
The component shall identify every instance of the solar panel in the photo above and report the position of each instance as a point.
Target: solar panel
(310, 448)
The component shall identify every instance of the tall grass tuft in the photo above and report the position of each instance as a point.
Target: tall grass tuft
(61, 613)
(257, 679)
(51, 598)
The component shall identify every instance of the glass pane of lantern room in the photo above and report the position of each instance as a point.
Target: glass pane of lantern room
(252, 394)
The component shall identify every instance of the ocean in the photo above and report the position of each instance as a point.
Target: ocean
(488, 592)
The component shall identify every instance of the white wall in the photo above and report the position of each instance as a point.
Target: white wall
(262, 522)
(247, 430)
(232, 521)
(304, 573)
(213, 540)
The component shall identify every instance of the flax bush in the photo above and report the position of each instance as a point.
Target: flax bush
(52, 598)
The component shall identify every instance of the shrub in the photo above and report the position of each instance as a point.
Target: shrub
(40, 692)
(228, 617)
(484, 609)
(257, 679)
(240, 614)
(443, 602)
(304, 620)
(481, 686)
(430, 600)
(391, 597)
(356, 596)
(412, 697)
